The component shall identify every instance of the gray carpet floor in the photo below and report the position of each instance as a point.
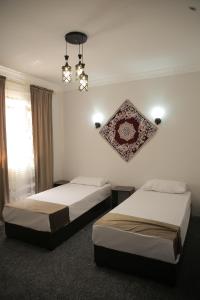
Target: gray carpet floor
(69, 272)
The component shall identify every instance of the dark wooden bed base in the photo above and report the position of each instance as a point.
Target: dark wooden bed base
(135, 264)
(139, 265)
(52, 240)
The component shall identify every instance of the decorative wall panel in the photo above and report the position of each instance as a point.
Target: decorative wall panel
(128, 130)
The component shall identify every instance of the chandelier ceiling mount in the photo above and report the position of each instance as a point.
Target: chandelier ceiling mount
(75, 37)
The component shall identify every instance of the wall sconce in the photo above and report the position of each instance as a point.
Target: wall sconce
(157, 113)
(97, 124)
(97, 119)
(157, 121)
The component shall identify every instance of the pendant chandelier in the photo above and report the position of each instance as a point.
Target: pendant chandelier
(76, 38)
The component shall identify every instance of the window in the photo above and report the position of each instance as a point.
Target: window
(19, 142)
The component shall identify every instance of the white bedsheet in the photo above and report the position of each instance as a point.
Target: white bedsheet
(163, 207)
(79, 198)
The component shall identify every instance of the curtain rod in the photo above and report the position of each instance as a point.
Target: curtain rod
(2, 77)
(41, 88)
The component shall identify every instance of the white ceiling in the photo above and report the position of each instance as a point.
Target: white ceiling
(127, 39)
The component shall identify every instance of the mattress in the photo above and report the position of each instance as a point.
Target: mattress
(162, 207)
(79, 198)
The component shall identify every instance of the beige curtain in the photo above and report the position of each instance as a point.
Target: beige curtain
(4, 188)
(41, 105)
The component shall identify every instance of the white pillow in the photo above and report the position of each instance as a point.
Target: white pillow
(95, 181)
(165, 186)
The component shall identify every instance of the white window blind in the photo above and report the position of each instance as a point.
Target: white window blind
(19, 141)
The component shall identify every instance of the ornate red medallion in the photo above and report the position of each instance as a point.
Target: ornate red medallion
(128, 130)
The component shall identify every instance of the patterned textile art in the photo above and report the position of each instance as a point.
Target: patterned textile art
(127, 130)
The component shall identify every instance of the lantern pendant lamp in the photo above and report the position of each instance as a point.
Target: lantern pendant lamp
(83, 82)
(67, 70)
(80, 66)
(76, 38)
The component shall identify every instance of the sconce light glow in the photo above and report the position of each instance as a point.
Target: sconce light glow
(158, 113)
(97, 119)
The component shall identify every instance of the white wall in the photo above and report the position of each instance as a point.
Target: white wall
(58, 134)
(173, 153)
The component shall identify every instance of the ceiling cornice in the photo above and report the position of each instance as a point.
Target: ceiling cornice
(28, 79)
(107, 80)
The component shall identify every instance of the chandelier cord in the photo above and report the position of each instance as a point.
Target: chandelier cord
(82, 52)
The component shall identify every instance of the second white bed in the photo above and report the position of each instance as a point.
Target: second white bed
(162, 207)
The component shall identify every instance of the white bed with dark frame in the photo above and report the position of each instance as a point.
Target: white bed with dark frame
(50, 217)
(137, 250)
